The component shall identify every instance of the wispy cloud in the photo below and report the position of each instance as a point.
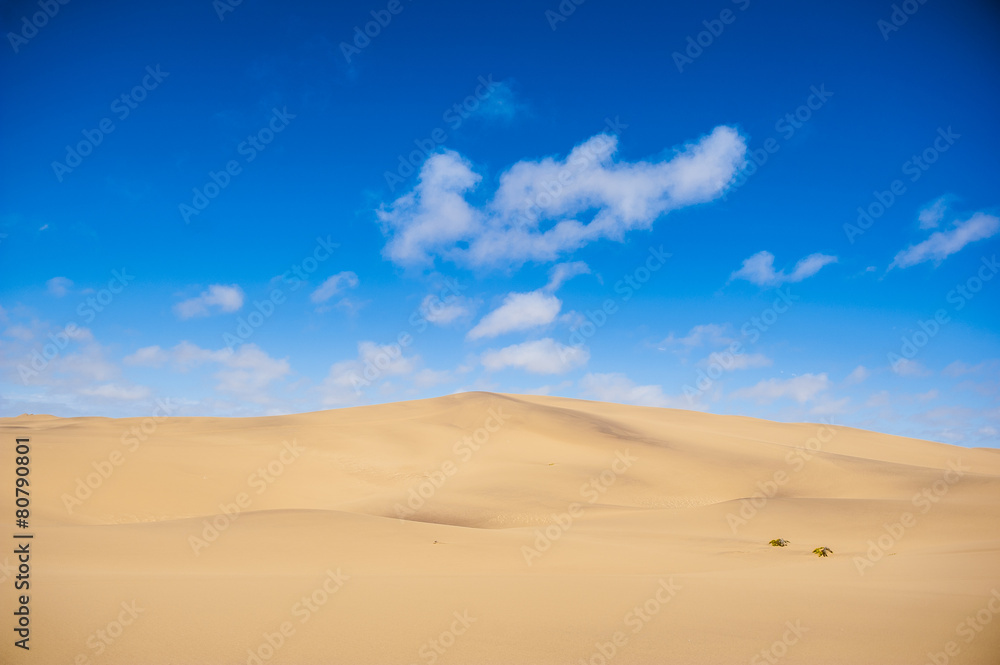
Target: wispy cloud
(932, 213)
(59, 286)
(759, 269)
(802, 389)
(519, 311)
(245, 373)
(442, 312)
(333, 285)
(563, 272)
(543, 356)
(619, 388)
(347, 380)
(959, 368)
(710, 334)
(858, 375)
(148, 356)
(740, 361)
(220, 297)
(906, 367)
(942, 244)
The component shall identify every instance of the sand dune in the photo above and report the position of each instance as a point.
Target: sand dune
(486, 528)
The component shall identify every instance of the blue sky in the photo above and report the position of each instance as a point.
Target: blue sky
(763, 209)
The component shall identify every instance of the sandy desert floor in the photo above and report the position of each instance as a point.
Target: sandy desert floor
(487, 528)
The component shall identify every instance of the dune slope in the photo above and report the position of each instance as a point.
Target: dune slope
(487, 528)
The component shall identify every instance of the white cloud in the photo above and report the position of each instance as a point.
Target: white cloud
(225, 298)
(519, 311)
(187, 355)
(827, 406)
(248, 372)
(388, 359)
(116, 392)
(81, 377)
(958, 368)
(88, 363)
(347, 380)
(711, 334)
(942, 244)
(548, 389)
(928, 396)
(563, 272)
(148, 356)
(427, 378)
(444, 311)
(881, 398)
(620, 389)
(498, 103)
(802, 389)
(932, 213)
(859, 374)
(435, 215)
(759, 269)
(543, 356)
(731, 361)
(80, 334)
(906, 367)
(59, 286)
(436, 219)
(334, 285)
(20, 332)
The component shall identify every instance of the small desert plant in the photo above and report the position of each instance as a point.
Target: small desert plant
(779, 542)
(822, 551)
